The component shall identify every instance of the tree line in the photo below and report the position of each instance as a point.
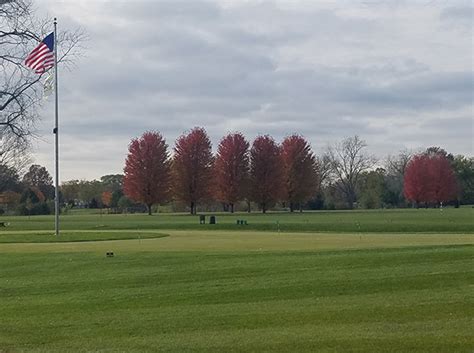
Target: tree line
(267, 173)
(263, 173)
(241, 176)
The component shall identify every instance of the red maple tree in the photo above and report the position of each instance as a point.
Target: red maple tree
(299, 171)
(415, 183)
(147, 170)
(192, 168)
(231, 169)
(266, 181)
(443, 185)
(429, 178)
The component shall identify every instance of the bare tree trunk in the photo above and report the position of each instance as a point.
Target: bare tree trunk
(149, 209)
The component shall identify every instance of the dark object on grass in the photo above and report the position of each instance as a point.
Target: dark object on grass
(241, 222)
(109, 254)
(212, 220)
(3, 224)
(202, 219)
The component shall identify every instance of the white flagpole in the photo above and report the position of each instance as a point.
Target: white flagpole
(56, 132)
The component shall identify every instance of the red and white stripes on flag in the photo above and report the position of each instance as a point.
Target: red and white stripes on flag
(42, 57)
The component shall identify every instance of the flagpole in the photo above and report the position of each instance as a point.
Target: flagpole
(56, 132)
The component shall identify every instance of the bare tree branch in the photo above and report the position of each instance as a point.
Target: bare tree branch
(21, 90)
(15, 153)
(345, 162)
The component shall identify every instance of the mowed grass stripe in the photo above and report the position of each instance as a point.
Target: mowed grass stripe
(448, 220)
(246, 241)
(383, 300)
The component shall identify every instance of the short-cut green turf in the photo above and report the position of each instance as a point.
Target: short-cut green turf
(206, 241)
(449, 220)
(374, 281)
(413, 299)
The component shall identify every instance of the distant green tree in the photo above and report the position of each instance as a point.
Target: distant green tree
(9, 179)
(464, 171)
(112, 182)
(124, 202)
(334, 198)
(89, 190)
(93, 203)
(32, 202)
(70, 191)
(434, 150)
(116, 196)
(317, 202)
(39, 177)
(29, 196)
(371, 188)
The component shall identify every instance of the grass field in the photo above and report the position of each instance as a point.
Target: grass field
(448, 220)
(331, 285)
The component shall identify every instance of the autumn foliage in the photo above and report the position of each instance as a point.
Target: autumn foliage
(106, 198)
(269, 173)
(300, 175)
(192, 168)
(266, 178)
(429, 178)
(231, 169)
(147, 170)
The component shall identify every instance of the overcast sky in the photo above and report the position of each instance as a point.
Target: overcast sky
(398, 74)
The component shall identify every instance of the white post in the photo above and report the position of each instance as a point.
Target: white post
(56, 132)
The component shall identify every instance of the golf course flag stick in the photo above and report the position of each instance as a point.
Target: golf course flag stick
(41, 59)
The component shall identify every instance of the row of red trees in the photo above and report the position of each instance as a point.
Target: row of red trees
(430, 178)
(263, 173)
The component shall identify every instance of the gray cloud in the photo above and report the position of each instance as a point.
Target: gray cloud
(460, 15)
(396, 75)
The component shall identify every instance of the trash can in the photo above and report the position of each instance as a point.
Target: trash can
(212, 220)
(202, 219)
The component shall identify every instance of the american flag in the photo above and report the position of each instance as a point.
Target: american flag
(42, 57)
